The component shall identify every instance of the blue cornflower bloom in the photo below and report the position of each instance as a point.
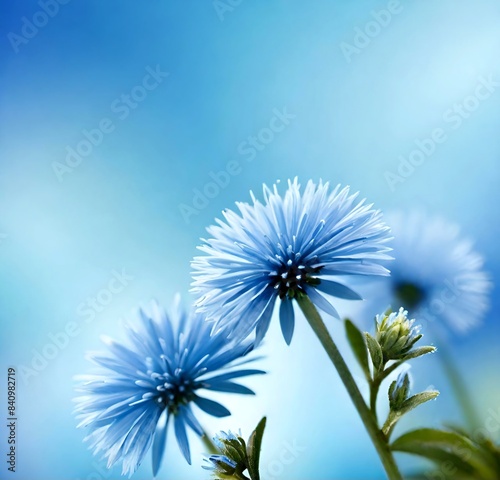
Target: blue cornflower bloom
(287, 246)
(156, 378)
(436, 273)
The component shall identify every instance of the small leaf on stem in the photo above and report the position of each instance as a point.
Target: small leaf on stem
(375, 353)
(358, 344)
(253, 449)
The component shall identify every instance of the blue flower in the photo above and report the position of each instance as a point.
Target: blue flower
(436, 272)
(155, 379)
(287, 246)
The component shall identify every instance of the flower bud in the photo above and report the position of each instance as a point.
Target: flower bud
(396, 334)
(232, 459)
(399, 391)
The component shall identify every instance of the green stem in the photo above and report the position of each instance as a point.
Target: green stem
(390, 369)
(377, 381)
(374, 388)
(378, 438)
(459, 386)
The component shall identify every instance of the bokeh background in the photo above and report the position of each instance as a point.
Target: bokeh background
(66, 226)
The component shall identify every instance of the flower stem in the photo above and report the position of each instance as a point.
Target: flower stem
(378, 438)
(462, 393)
(374, 388)
(377, 381)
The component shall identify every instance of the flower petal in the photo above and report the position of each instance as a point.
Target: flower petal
(322, 303)
(211, 407)
(264, 321)
(229, 387)
(180, 434)
(192, 422)
(287, 319)
(338, 290)
(232, 375)
(160, 440)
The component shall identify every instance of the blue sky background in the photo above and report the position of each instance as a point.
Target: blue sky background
(121, 207)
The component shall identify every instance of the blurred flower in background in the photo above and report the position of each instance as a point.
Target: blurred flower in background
(129, 403)
(436, 274)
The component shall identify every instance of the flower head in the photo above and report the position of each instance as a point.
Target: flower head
(157, 378)
(232, 458)
(235, 456)
(288, 246)
(396, 334)
(436, 273)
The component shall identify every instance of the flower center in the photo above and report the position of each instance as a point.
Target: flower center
(409, 294)
(172, 394)
(292, 276)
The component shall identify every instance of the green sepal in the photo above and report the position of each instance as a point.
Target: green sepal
(416, 400)
(418, 352)
(358, 345)
(236, 450)
(375, 353)
(400, 405)
(253, 449)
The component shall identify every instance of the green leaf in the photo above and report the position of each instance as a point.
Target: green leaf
(448, 460)
(416, 400)
(375, 352)
(430, 435)
(358, 345)
(438, 445)
(253, 449)
(455, 428)
(418, 352)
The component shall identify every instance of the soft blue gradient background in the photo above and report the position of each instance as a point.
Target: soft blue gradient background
(120, 207)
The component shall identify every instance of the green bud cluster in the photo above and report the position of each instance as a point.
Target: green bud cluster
(396, 334)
